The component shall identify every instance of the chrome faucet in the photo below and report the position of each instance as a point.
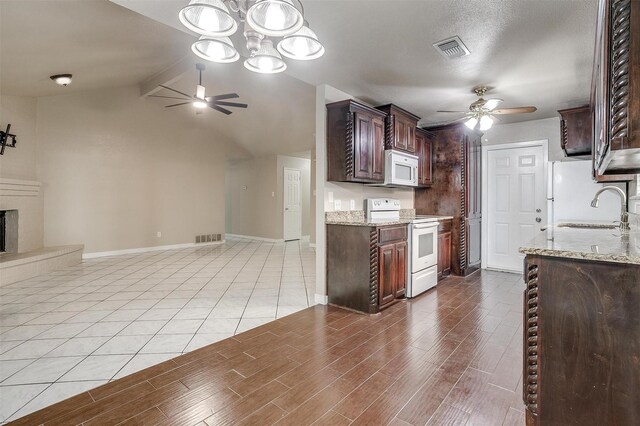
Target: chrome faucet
(624, 215)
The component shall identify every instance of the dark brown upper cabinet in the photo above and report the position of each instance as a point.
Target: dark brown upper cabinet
(355, 143)
(576, 135)
(400, 128)
(615, 91)
(424, 148)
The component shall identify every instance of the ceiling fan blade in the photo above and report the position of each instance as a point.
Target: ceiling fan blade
(517, 110)
(177, 91)
(230, 104)
(175, 105)
(457, 112)
(491, 104)
(226, 96)
(220, 109)
(167, 97)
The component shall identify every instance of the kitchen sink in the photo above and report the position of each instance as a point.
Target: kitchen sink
(588, 225)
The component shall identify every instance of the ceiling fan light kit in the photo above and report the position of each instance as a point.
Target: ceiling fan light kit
(216, 20)
(481, 112)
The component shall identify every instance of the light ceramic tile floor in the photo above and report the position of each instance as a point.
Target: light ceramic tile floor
(74, 329)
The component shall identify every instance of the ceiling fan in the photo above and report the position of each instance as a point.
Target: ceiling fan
(200, 101)
(481, 112)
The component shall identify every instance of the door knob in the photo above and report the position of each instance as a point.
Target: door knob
(538, 210)
(538, 219)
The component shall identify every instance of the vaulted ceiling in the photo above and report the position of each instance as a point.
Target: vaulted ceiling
(532, 52)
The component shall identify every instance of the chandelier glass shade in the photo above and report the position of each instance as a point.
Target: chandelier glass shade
(266, 60)
(302, 45)
(217, 20)
(208, 17)
(482, 121)
(215, 49)
(275, 18)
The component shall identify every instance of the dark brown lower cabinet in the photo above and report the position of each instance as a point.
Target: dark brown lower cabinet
(581, 363)
(444, 249)
(366, 266)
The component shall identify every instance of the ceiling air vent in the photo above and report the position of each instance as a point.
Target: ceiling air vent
(452, 48)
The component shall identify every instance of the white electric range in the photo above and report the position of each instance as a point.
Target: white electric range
(422, 259)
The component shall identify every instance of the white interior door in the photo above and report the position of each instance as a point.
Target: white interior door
(516, 203)
(292, 204)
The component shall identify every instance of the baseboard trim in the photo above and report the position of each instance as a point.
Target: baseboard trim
(251, 237)
(146, 249)
(321, 299)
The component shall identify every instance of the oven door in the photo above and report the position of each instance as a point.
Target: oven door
(424, 246)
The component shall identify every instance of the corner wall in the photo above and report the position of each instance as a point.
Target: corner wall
(116, 169)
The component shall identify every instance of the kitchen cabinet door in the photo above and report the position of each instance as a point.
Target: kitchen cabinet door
(444, 255)
(363, 147)
(576, 126)
(377, 172)
(401, 269)
(400, 129)
(387, 273)
(425, 158)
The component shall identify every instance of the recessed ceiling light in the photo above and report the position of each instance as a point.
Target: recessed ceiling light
(62, 79)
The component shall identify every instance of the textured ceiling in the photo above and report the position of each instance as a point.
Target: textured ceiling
(532, 52)
(100, 43)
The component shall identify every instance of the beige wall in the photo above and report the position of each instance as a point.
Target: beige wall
(117, 169)
(20, 166)
(251, 198)
(255, 196)
(548, 128)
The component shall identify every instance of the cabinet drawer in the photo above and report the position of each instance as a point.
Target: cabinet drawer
(445, 226)
(391, 234)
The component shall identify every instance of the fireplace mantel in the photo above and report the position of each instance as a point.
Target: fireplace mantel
(19, 188)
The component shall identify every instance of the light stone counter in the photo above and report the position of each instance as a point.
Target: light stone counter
(605, 245)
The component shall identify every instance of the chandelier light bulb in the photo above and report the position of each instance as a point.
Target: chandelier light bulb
(302, 45)
(200, 104)
(216, 49)
(275, 18)
(208, 17)
(265, 60)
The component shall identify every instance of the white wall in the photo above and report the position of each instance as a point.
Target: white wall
(117, 169)
(548, 128)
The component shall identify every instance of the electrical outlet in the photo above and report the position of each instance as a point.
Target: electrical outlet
(244, 187)
(159, 234)
(337, 205)
(352, 204)
(273, 194)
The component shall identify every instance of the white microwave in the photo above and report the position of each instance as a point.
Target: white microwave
(400, 168)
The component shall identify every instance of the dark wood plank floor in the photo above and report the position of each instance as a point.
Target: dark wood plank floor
(450, 357)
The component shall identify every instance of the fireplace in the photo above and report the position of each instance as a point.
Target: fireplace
(8, 231)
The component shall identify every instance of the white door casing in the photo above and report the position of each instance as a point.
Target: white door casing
(292, 227)
(515, 206)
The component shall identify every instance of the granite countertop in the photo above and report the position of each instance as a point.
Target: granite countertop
(357, 218)
(605, 245)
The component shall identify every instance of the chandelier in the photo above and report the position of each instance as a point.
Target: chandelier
(262, 21)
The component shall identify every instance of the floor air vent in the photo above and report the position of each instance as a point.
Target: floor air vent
(452, 48)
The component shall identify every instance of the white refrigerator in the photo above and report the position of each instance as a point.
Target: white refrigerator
(571, 190)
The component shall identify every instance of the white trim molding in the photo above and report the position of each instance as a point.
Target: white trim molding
(19, 188)
(321, 299)
(251, 237)
(485, 185)
(147, 249)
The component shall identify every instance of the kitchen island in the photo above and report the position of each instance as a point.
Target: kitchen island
(581, 363)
